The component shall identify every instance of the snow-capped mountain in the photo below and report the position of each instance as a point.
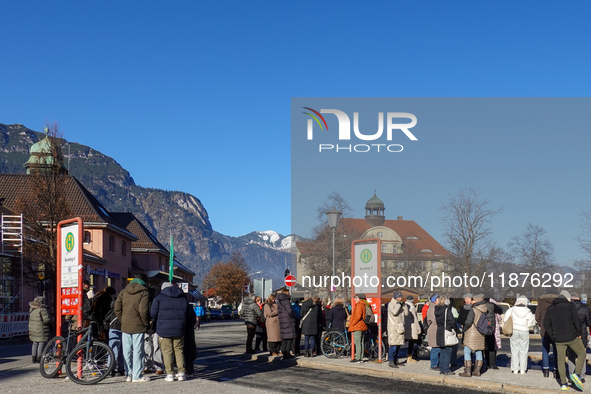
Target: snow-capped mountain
(271, 239)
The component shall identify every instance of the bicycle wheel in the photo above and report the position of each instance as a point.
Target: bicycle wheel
(328, 344)
(371, 349)
(90, 366)
(52, 357)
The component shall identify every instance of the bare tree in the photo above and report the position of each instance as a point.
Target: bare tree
(533, 252)
(467, 219)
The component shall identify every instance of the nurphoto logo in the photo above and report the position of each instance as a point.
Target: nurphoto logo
(344, 131)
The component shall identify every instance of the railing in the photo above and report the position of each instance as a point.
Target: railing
(14, 325)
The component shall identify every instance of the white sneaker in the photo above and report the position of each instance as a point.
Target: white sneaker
(143, 379)
(182, 377)
(515, 372)
(128, 379)
(522, 372)
(169, 378)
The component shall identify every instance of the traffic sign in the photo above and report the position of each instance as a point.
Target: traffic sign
(290, 280)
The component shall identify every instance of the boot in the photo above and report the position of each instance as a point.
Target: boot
(477, 368)
(398, 363)
(392, 364)
(467, 369)
(34, 360)
(310, 353)
(546, 373)
(410, 360)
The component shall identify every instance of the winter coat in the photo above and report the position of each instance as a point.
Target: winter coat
(287, 319)
(132, 308)
(584, 317)
(442, 324)
(472, 338)
(356, 322)
(337, 316)
(251, 312)
(310, 320)
(431, 325)
(543, 304)
(111, 321)
(494, 312)
(102, 306)
(190, 347)
(169, 311)
(562, 321)
(412, 328)
(523, 319)
(397, 311)
(39, 321)
(272, 322)
(463, 314)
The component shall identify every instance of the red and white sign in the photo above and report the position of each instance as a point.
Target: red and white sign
(290, 280)
(246, 287)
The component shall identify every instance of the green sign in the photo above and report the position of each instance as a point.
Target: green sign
(69, 242)
(365, 255)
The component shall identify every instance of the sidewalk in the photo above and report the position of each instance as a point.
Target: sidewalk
(501, 380)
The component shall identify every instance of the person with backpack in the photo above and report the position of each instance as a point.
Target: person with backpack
(309, 324)
(397, 311)
(521, 320)
(271, 317)
(474, 337)
(358, 326)
(492, 342)
(39, 330)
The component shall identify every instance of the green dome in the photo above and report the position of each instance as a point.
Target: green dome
(43, 146)
(374, 202)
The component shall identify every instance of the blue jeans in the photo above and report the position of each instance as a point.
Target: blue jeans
(115, 344)
(546, 342)
(468, 354)
(134, 343)
(444, 358)
(435, 356)
(309, 342)
(393, 353)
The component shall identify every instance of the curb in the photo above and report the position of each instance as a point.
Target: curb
(407, 376)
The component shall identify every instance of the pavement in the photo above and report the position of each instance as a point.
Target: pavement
(222, 367)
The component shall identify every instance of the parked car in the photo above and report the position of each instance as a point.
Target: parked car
(216, 314)
(228, 312)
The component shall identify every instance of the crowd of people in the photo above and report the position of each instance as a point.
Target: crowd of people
(155, 333)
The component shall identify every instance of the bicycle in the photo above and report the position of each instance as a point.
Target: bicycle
(88, 363)
(335, 344)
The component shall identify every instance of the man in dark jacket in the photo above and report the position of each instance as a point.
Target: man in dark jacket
(490, 342)
(547, 343)
(564, 327)
(585, 319)
(287, 321)
(309, 325)
(131, 308)
(251, 313)
(169, 311)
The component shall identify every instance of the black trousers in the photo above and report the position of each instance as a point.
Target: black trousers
(286, 346)
(274, 347)
(250, 332)
(261, 338)
(295, 348)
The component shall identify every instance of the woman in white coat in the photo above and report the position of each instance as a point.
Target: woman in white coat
(523, 319)
(397, 310)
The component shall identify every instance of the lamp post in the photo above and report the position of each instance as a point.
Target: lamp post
(333, 217)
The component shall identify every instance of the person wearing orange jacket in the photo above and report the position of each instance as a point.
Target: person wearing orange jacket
(357, 326)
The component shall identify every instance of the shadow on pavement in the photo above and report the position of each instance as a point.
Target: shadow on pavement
(226, 368)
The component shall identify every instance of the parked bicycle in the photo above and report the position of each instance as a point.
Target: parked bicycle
(88, 362)
(335, 344)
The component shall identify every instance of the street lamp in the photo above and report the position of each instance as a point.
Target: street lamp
(333, 217)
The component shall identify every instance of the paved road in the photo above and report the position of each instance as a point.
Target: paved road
(221, 368)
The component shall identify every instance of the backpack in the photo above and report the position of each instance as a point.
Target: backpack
(484, 325)
(369, 316)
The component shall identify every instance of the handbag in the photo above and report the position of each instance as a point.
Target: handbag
(302, 321)
(508, 326)
(451, 339)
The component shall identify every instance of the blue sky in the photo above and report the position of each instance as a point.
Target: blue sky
(206, 87)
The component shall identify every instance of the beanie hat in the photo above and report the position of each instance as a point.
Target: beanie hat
(434, 297)
(468, 295)
(410, 298)
(478, 297)
(165, 285)
(397, 294)
(565, 294)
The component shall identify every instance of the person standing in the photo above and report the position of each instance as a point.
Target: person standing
(261, 333)
(547, 343)
(337, 315)
(444, 321)
(473, 339)
(309, 324)
(287, 321)
(358, 327)
(169, 311)
(113, 327)
(39, 332)
(251, 313)
(190, 348)
(101, 306)
(492, 342)
(522, 319)
(585, 318)
(397, 311)
(564, 327)
(432, 332)
(412, 329)
(295, 347)
(132, 309)
(272, 325)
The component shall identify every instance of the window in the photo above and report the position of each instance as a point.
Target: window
(400, 265)
(394, 249)
(111, 243)
(434, 266)
(123, 248)
(87, 237)
(384, 248)
(446, 266)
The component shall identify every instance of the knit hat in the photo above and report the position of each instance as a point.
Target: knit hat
(434, 297)
(361, 296)
(566, 294)
(478, 297)
(40, 299)
(521, 300)
(575, 296)
(468, 295)
(397, 294)
(410, 298)
(165, 285)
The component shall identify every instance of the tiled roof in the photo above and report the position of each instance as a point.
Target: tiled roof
(145, 238)
(406, 229)
(15, 188)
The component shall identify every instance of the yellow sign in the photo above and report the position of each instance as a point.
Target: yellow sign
(365, 255)
(69, 242)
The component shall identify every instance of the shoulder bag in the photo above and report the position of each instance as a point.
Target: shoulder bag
(451, 339)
